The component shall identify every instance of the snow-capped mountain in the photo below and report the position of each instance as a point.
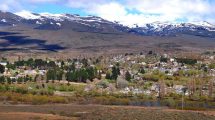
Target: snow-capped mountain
(54, 32)
(47, 21)
(172, 29)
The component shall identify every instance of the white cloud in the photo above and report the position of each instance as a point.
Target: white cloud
(112, 11)
(120, 10)
(42, 1)
(149, 10)
(4, 7)
(7, 5)
(171, 7)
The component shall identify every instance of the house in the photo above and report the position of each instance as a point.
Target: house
(125, 90)
(178, 89)
(30, 72)
(155, 87)
(172, 59)
(3, 63)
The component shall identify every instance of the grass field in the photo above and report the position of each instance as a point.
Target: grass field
(97, 112)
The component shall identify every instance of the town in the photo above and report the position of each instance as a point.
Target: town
(148, 76)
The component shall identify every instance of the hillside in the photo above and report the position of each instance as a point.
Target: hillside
(30, 32)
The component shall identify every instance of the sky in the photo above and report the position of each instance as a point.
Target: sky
(127, 12)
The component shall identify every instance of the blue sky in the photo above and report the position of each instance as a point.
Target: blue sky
(127, 12)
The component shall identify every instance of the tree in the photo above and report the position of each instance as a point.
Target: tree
(115, 73)
(2, 68)
(19, 80)
(51, 64)
(39, 63)
(9, 80)
(37, 78)
(30, 62)
(83, 75)
(62, 63)
(210, 88)
(71, 67)
(68, 76)
(161, 89)
(11, 66)
(27, 78)
(84, 62)
(51, 74)
(59, 75)
(2, 79)
(108, 76)
(150, 52)
(91, 73)
(128, 76)
(163, 59)
(142, 71)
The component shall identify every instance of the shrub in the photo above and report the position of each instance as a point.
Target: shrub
(21, 89)
(121, 83)
(103, 84)
(170, 102)
(33, 99)
(2, 88)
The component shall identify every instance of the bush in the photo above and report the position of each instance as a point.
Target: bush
(170, 102)
(121, 83)
(21, 89)
(63, 88)
(103, 84)
(33, 99)
(2, 88)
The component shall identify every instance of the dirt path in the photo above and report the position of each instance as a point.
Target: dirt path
(32, 116)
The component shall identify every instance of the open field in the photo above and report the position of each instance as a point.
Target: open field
(98, 112)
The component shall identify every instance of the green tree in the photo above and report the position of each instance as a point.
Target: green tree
(51, 74)
(163, 59)
(27, 78)
(59, 74)
(71, 67)
(2, 68)
(9, 80)
(128, 76)
(39, 63)
(115, 73)
(108, 76)
(84, 62)
(2, 79)
(11, 66)
(83, 75)
(142, 71)
(30, 62)
(19, 80)
(91, 73)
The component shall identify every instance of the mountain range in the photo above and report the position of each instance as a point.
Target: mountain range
(25, 31)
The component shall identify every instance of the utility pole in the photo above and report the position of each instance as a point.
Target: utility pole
(182, 102)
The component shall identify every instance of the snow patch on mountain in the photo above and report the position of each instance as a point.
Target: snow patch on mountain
(55, 17)
(3, 20)
(58, 24)
(203, 23)
(28, 15)
(39, 23)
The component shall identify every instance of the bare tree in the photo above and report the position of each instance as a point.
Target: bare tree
(161, 89)
(210, 88)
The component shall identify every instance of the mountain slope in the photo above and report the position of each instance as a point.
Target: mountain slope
(65, 32)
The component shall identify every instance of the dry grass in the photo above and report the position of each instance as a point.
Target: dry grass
(98, 112)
